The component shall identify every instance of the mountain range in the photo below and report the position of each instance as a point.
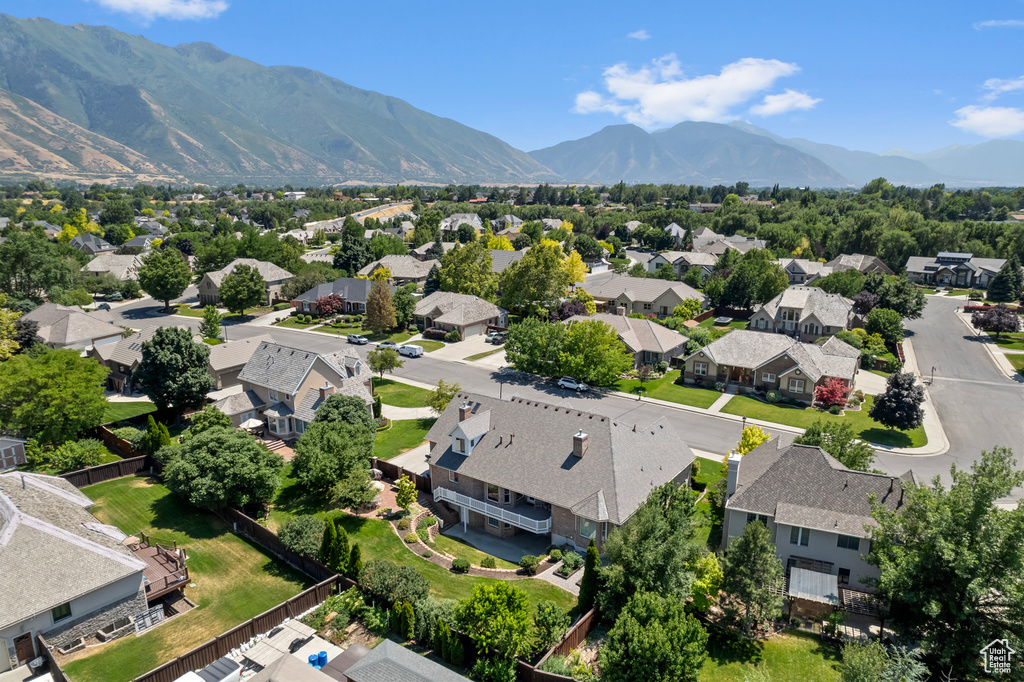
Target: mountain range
(89, 103)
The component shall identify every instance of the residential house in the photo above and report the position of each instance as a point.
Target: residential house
(12, 452)
(642, 295)
(192, 196)
(551, 224)
(323, 255)
(677, 233)
(640, 255)
(353, 292)
(648, 341)
(507, 222)
(803, 271)
(501, 260)
(404, 268)
(452, 222)
(120, 267)
(70, 327)
(704, 208)
(275, 277)
(858, 261)
(150, 227)
(807, 313)
(386, 662)
(736, 242)
(421, 251)
(64, 575)
(143, 241)
(772, 362)
(91, 244)
(953, 269)
(470, 315)
(294, 196)
(520, 465)
(817, 510)
(285, 385)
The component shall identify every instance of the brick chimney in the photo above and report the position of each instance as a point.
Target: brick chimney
(465, 411)
(326, 391)
(579, 444)
(734, 472)
(620, 310)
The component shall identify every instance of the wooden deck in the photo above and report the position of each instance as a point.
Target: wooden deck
(165, 568)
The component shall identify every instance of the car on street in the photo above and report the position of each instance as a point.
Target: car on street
(410, 351)
(499, 338)
(388, 344)
(358, 339)
(571, 384)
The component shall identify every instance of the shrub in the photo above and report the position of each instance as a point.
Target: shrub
(131, 434)
(424, 534)
(453, 336)
(460, 566)
(529, 564)
(496, 670)
(719, 385)
(281, 306)
(297, 314)
(70, 456)
(403, 524)
(556, 555)
(303, 535)
(488, 562)
(695, 469)
(384, 581)
(572, 560)
(427, 554)
(662, 366)
(428, 522)
(411, 538)
(835, 409)
(551, 623)
(773, 396)
(709, 384)
(435, 334)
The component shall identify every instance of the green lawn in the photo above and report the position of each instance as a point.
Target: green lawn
(429, 346)
(185, 309)
(864, 426)
(234, 580)
(957, 292)
(884, 375)
(115, 412)
(710, 471)
(717, 331)
(397, 337)
(793, 656)
(481, 356)
(1017, 361)
(665, 389)
(396, 393)
(293, 323)
(1009, 341)
(212, 342)
(460, 549)
(403, 435)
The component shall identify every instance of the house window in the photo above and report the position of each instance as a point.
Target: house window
(61, 612)
(848, 542)
(647, 306)
(700, 369)
(460, 444)
(273, 396)
(844, 576)
(767, 377)
(506, 526)
(604, 530)
(453, 476)
(281, 425)
(300, 426)
(799, 536)
(492, 492)
(588, 528)
(508, 496)
(757, 517)
(493, 523)
(796, 385)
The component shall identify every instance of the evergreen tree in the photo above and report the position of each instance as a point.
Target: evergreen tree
(355, 562)
(900, 407)
(433, 281)
(340, 552)
(327, 544)
(209, 328)
(588, 585)
(1005, 286)
(751, 571)
(435, 251)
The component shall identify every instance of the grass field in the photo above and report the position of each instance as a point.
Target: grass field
(864, 427)
(186, 309)
(1009, 341)
(792, 656)
(400, 395)
(665, 389)
(1017, 361)
(234, 580)
(884, 375)
(428, 345)
(481, 356)
(460, 549)
(115, 412)
(403, 435)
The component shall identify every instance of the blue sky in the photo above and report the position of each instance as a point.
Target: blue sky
(919, 75)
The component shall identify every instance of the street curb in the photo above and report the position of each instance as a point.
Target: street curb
(989, 346)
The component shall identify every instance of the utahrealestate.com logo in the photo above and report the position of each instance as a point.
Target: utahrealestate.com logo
(996, 657)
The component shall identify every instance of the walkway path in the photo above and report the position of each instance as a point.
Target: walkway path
(403, 413)
(721, 402)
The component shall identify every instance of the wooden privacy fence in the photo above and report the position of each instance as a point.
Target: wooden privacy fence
(395, 472)
(221, 645)
(119, 445)
(111, 470)
(268, 540)
(576, 635)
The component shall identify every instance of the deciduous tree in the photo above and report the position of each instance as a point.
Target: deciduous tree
(384, 360)
(164, 275)
(886, 323)
(497, 617)
(831, 392)
(466, 269)
(999, 319)
(688, 309)
(243, 288)
(901, 406)
(750, 438)
(210, 327)
(538, 280)
(380, 309)
(330, 305)
(442, 395)
(173, 370)
(593, 352)
(338, 441)
(751, 573)
(838, 440)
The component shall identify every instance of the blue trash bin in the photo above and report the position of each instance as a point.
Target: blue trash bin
(321, 660)
(312, 660)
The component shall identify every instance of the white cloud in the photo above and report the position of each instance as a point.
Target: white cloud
(660, 93)
(639, 35)
(167, 9)
(998, 86)
(786, 101)
(999, 23)
(990, 121)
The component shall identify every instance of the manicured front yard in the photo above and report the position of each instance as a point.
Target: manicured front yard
(481, 356)
(665, 389)
(115, 412)
(234, 580)
(397, 337)
(400, 395)
(1009, 341)
(1017, 361)
(403, 435)
(186, 309)
(294, 323)
(791, 656)
(429, 346)
(864, 426)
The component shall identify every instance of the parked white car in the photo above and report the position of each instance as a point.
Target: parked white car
(410, 351)
(572, 384)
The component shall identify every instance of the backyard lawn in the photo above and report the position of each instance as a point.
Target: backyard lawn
(115, 412)
(864, 427)
(403, 435)
(400, 395)
(1009, 341)
(234, 580)
(792, 656)
(460, 549)
(665, 389)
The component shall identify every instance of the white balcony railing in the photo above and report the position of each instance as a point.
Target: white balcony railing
(494, 511)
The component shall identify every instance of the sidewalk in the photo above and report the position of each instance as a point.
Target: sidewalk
(997, 354)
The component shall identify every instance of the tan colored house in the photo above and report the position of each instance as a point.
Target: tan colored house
(63, 326)
(807, 313)
(767, 362)
(649, 342)
(275, 277)
(804, 271)
(469, 315)
(284, 386)
(860, 262)
(121, 267)
(404, 269)
(638, 294)
(516, 466)
(815, 508)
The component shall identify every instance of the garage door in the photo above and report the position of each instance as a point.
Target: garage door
(472, 330)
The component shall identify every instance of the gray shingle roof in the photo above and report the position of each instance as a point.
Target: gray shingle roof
(121, 267)
(402, 267)
(127, 351)
(68, 325)
(391, 662)
(528, 448)
(804, 485)
(637, 288)
(500, 260)
(751, 349)
(422, 250)
(310, 403)
(239, 403)
(456, 309)
(41, 527)
(638, 334)
(269, 271)
(921, 264)
(858, 261)
(282, 368)
(92, 243)
(235, 353)
(349, 288)
(831, 310)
